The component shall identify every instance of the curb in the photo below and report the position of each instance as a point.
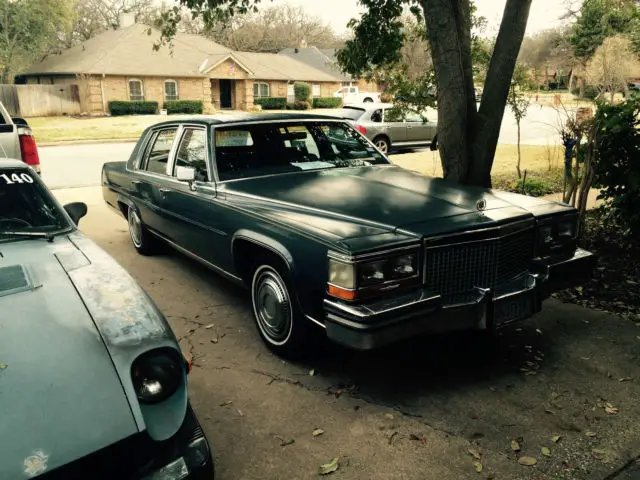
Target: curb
(65, 143)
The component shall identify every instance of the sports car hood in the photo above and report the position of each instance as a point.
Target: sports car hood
(61, 394)
(350, 203)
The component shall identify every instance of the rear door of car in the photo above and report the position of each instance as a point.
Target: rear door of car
(152, 179)
(189, 206)
(419, 130)
(394, 126)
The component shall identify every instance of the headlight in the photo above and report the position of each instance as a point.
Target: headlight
(157, 375)
(387, 269)
(341, 274)
(557, 234)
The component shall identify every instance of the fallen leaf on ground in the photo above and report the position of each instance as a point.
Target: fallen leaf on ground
(539, 331)
(591, 434)
(579, 289)
(389, 416)
(414, 436)
(312, 372)
(527, 461)
(240, 413)
(545, 451)
(330, 467)
(214, 340)
(493, 389)
(474, 453)
(515, 446)
(3, 366)
(611, 410)
(624, 379)
(210, 326)
(317, 432)
(478, 466)
(228, 402)
(556, 438)
(284, 443)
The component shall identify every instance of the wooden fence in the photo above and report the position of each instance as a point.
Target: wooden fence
(41, 100)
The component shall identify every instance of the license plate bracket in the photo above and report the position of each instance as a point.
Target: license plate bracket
(513, 309)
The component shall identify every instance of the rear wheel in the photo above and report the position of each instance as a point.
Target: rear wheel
(280, 322)
(143, 241)
(382, 143)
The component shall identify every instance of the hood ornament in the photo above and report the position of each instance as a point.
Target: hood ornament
(481, 205)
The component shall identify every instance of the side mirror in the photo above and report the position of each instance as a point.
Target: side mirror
(76, 211)
(186, 174)
(19, 121)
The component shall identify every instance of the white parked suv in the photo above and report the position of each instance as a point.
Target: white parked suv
(16, 140)
(353, 95)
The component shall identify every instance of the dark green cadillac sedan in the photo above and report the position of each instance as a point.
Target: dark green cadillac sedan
(329, 235)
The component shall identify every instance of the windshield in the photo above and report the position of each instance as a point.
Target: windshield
(25, 205)
(259, 149)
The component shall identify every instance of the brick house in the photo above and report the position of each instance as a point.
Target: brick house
(122, 65)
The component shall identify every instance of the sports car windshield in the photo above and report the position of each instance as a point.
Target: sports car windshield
(25, 205)
(254, 150)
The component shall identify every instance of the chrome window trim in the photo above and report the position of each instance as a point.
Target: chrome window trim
(183, 128)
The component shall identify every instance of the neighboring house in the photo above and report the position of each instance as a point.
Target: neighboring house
(324, 59)
(122, 65)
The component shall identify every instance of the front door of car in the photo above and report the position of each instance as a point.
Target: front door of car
(151, 178)
(394, 126)
(419, 129)
(193, 224)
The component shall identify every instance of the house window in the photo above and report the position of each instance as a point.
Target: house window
(135, 90)
(315, 90)
(170, 90)
(260, 89)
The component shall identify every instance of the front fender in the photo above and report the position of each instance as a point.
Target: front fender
(265, 242)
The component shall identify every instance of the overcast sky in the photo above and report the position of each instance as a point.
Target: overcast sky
(544, 13)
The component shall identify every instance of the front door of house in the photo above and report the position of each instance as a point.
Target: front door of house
(225, 94)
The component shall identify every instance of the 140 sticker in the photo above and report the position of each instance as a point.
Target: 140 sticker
(16, 178)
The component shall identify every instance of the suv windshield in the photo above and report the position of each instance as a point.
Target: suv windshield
(258, 149)
(25, 205)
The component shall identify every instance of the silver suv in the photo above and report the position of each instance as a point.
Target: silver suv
(389, 129)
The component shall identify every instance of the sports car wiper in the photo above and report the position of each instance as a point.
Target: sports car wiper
(48, 236)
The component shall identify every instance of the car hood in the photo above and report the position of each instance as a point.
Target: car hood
(346, 204)
(61, 396)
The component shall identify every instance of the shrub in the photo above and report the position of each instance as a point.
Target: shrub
(590, 92)
(302, 91)
(616, 166)
(119, 108)
(539, 183)
(327, 102)
(535, 187)
(183, 106)
(299, 105)
(271, 103)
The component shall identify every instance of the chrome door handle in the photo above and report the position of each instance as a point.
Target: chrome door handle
(165, 190)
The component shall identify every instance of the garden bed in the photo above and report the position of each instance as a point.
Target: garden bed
(615, 286)
(538, 183)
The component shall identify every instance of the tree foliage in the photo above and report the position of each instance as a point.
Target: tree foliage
(27, 30)
(612, 64)
(617, 169)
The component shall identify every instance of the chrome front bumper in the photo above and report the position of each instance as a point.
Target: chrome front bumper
(368, 326)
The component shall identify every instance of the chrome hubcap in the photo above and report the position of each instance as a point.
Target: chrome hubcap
(382, 146)
(135, 228)
(272, 306)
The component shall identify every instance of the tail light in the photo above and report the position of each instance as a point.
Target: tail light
(28, 148)
(361, 129)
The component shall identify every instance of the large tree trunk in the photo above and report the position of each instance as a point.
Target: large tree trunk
(449, 33)
(496, 89)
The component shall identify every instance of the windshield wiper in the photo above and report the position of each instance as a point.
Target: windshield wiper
(48, 236)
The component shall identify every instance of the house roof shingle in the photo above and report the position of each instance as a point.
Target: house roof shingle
(320, 59)
(129, 51)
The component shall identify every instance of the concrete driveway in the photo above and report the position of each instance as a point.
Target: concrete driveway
(567, 380)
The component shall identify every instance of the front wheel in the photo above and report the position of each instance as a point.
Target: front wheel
(280, 322)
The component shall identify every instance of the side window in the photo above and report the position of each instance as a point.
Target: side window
(393, 115)
(414, 117)
(158, 154)
(192, 152)
(376, 116)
